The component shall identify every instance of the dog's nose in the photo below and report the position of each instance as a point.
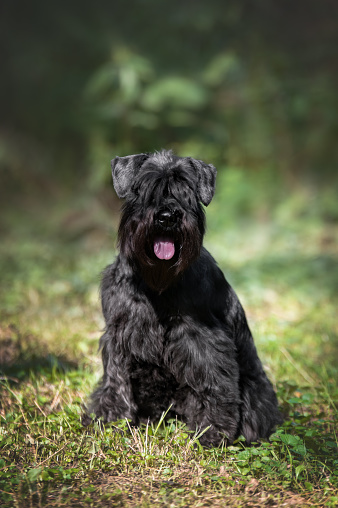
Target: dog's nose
(166, 218)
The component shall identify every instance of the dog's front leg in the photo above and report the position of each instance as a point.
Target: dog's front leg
(214, 416)
(203, 362)
(113, 399)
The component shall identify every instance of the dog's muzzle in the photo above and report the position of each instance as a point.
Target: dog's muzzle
(164, 245)
(166, 218)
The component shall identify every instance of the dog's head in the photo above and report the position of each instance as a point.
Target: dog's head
(162, 223)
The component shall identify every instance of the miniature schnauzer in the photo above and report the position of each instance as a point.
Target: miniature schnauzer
(176, 335)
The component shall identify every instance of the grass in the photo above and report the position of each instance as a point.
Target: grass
(281, 261)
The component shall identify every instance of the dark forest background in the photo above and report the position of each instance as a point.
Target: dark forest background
(240, 83)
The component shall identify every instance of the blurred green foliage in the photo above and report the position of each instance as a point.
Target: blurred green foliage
(246, 83)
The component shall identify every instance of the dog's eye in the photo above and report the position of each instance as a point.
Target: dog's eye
(135, 191)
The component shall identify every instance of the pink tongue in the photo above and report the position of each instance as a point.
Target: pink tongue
(164, 248)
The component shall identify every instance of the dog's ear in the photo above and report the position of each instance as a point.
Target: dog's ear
(206, 180)
(124, 170)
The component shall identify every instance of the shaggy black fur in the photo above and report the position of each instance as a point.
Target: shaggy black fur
(176, 334)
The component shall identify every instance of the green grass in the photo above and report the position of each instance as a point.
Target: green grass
(281, 261)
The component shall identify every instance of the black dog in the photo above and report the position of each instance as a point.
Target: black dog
(176, 334)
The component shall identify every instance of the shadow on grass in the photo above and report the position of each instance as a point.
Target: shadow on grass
(20, 357)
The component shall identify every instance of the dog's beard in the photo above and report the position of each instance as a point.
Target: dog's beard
(160, 257)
